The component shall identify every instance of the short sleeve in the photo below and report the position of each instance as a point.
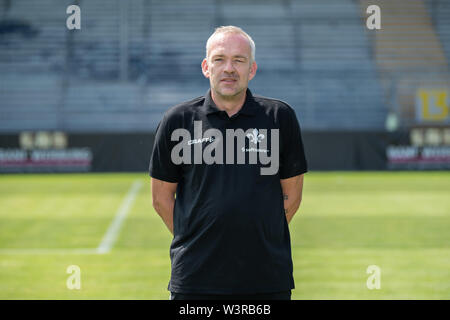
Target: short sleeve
(292, 154)
(161, 166)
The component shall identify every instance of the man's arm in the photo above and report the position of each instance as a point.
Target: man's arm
(163, 200)
(292, 195)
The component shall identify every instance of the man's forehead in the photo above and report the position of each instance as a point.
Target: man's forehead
(230, 41)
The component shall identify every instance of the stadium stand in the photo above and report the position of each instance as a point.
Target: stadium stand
(440, 13)
(132, 60)
(408, 53)
(32, 49)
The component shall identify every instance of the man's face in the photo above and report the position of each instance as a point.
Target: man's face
(229, 67)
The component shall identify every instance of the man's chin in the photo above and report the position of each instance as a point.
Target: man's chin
(229, 93)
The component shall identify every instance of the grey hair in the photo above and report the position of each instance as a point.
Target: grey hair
(232, 29)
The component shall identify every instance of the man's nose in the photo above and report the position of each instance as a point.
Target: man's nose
(229, 67)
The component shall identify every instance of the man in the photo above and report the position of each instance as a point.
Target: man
(229, 212)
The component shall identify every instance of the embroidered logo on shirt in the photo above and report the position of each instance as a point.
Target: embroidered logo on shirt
(255, 136)
(210, 139)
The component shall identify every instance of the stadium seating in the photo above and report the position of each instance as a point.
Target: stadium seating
(132, 60)
(440, 13)
(408, 53)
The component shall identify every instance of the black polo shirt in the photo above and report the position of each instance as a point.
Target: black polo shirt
(230, 232)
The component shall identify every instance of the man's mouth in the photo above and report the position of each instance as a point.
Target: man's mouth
(228, 80)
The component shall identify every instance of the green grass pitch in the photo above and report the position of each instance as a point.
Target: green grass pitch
(398, 221)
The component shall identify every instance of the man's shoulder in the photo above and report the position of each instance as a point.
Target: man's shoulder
(273, 105)
(186, 106)
(182, 109)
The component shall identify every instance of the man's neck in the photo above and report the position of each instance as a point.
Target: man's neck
(231, 106)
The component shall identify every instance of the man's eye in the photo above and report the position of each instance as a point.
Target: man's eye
(218, 59)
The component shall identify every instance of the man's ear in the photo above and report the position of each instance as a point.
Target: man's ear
(253, 69)
(205, 68)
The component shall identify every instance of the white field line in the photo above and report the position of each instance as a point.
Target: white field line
(112, 233)
(108, 239)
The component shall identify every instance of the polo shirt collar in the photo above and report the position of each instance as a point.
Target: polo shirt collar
(249, 107)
